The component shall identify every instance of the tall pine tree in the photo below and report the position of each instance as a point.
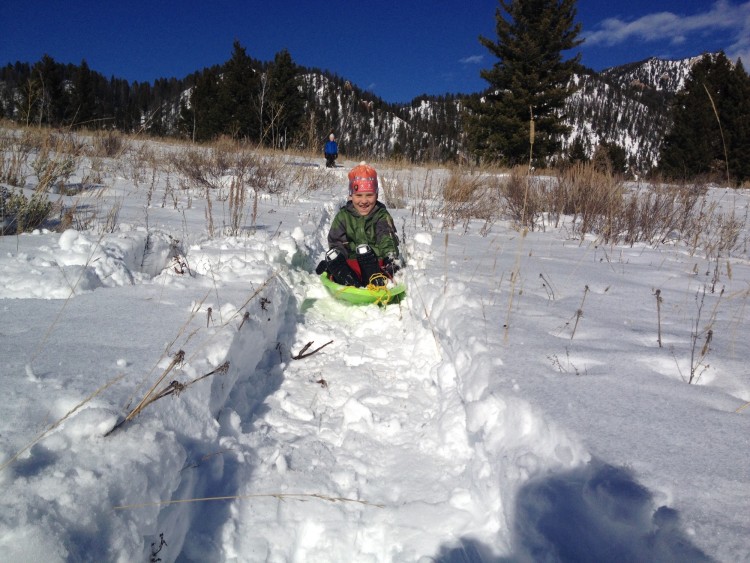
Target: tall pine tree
(286, 103)
(238, 88)
(203, 118)
(83, 98)
(529, 80)
(48, 77)
(710, 133)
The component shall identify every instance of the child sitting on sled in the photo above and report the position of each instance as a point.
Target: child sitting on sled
(362, 239)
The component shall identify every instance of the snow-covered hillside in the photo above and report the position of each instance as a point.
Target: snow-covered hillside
(658, 74)
(516, 406)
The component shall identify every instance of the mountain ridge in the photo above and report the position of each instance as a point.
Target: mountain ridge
(626, 105)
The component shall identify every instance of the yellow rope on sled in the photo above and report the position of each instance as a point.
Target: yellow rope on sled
(384, 295)
(381, 291)
(373, 287)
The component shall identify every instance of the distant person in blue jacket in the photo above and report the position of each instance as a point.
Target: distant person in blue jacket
(331, 151)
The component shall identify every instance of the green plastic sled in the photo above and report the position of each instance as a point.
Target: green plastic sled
(363, 295)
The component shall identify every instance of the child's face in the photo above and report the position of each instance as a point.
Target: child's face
(364, 202)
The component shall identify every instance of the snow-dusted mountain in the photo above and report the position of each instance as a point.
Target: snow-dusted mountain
(599, 112)
(427, 129)
(658, 74)
(627, 106)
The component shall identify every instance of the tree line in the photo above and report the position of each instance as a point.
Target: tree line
(520, 118)
(66, 95)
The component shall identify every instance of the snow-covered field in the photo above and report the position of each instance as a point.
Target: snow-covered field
(516, 406)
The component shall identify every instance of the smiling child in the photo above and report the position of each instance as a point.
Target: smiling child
(363, 233)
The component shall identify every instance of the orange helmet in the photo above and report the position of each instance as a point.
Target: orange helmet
(363, 179)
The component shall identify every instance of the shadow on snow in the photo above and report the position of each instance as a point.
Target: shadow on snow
(209, 473)
(596, 513)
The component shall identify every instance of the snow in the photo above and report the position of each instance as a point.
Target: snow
(481, 419)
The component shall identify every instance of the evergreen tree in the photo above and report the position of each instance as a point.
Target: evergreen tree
(286, 103)
(577, 151)
(737, 112)
(11, 79)
(204, 119)
(237, 93)
(610, 158)
(709, 135)
(84, 97)
(49, 77)
(530, 80)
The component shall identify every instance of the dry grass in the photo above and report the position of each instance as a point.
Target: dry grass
(109, 143)
(592, 202)
(468, 196)
(394, 193)
(591, 198)
(225, 172)
(582, 198)
(524, 196)
(15, 156)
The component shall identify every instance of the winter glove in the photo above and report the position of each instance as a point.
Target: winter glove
(390, 266)
(337, 266)
(321, 267)
(368, 264)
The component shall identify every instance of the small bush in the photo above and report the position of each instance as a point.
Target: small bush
(109, 144)
(594, 199)
(52, 172)
(393, 192)
(524, 196)
(461, 188)
(469, 196)
(19, 213)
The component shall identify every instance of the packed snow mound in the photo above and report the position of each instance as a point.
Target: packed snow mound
(76, 262)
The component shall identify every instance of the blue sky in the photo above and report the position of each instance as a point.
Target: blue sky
(396, 49)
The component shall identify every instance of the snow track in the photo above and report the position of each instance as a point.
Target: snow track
(350, 453)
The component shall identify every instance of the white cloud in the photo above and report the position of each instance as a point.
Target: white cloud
(723, 16)
(472, 60)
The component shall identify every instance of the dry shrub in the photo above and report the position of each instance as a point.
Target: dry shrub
(108, 144)
(657, 213)
(209, 167)
(309, 177)
(56, 157)
(265, 173)
(52, 171)
(34, 140)
(599, 203)
(593, 199)
(15, 156)
(468, 196)
(394, 193)
(201, 168)
(716, 233)
(237, 201)
(65, 143)
(460, 188)
(525, 197)
(224, 172)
